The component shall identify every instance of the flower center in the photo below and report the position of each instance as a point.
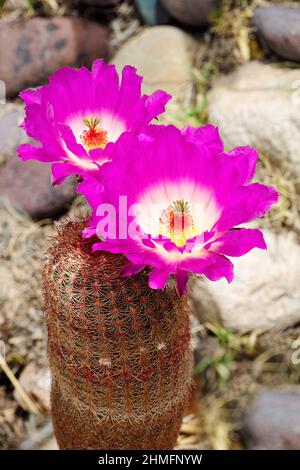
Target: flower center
(93, 137)
(176, 222)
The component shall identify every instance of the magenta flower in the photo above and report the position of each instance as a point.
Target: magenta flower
(184, 199)
(80, 112)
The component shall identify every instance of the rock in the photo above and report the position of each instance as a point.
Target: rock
(13, 5)
(27, 185)
(259, 105)
(51, 444)
(264, 293)
(11, 135)
(190, 12)
(95, 3)
(152, 12)
(202, 304)
(272, 422)
(40, 439)
(278, 28)
(2, 92)
(33, 49)
(163, 55)
(36, 382)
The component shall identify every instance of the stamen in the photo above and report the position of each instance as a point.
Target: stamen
(93, 138)
(176, 222)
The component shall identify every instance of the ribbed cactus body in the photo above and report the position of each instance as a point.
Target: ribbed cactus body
(119, 351)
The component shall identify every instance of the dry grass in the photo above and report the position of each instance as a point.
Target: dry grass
(22, 245)
(232, 33)
(285, 214)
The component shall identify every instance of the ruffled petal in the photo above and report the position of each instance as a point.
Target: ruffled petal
(32, 152)
(245, 204)
(35, 124)
(156, 104)
(31, 96)
(132, 108)
(106, 80)
(181, 278)
(158, 278)
(130, 269)
(219, 268)
(205, 137)
(243, 160)
(237, 242)
(130, 90)
(91, 188)
(61, 171)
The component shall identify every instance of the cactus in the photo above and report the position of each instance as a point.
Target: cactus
(119, 351)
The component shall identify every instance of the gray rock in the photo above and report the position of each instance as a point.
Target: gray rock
(264, 293)
(11, 135)
(27, 186)
(272, 422)
(190, 12)
(163, 55)
(152, 12)
(278, 28)
(259, 105)
(101, 4)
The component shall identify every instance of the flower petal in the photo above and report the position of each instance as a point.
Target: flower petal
(237, 242)
(221, 267)
(56, 114)
(130, 269)
(156, 103)
(245, 204)
(31, 96)
(244, 160)
(77, 149)
(163, 174)
(32, 152)
(60, 171)
(205, 137)
(158, 278)
(181, 278)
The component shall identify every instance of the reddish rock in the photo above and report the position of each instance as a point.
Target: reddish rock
(190, 12)
(278, 29)
(27, 185)
(31, 50)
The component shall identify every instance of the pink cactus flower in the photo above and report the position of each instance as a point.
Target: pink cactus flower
(185, 200)
(80, 112)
